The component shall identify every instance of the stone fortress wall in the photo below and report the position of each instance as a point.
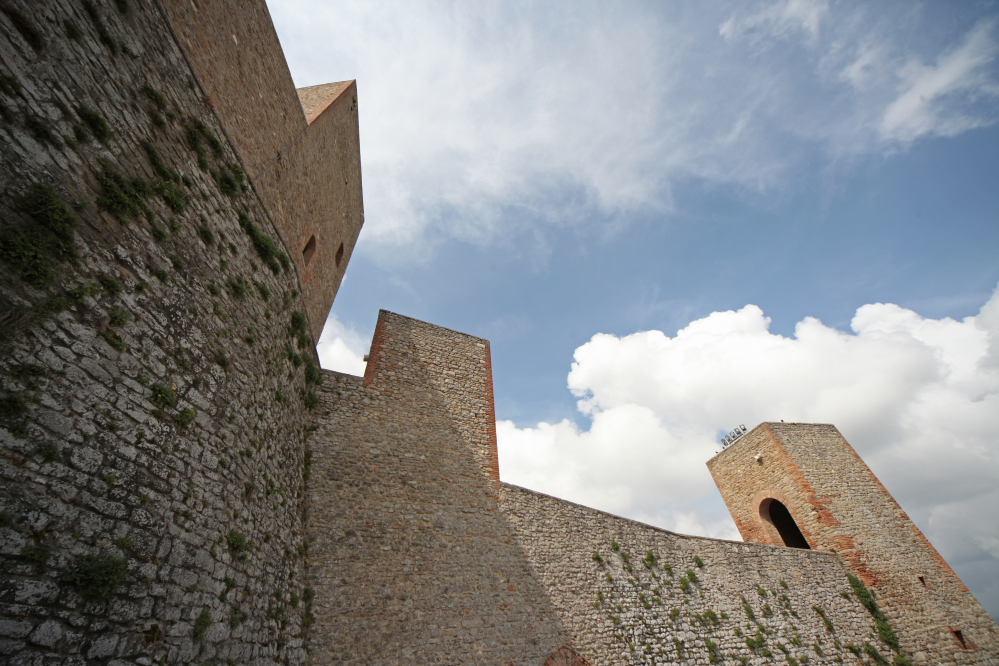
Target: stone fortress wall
(628, 608)
(409, 554)
(305, 166)
(840, 506)
(156, 362)
(182, 485)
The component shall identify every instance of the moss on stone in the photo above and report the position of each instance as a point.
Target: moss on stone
(185, 417)
(35, 554)
(238, 286)
(230, 180)
(35, 249)
(236, 540)
(29, 31)
(72, 30)
(95, 578)
(113, 340)
(95, 124)
(163, 395)
(266, 248)
(159, 166)
(123, 198)
(103, 34)
(117, 316)
(312, 376)
(40, 130)
(864, 596)
(154, 96)
(206, 234)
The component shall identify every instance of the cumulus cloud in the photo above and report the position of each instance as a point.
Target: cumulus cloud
(494, 120)
(341, 348)
(918, 399)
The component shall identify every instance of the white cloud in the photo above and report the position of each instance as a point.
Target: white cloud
(990, 545)
(490, 121)
(922, 107)
(341, 348)
(627, 461)
(867, 67)
(918, 398)
(780, 19)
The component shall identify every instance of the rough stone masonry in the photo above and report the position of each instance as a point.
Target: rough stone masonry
(157, 323)
(418, 554)
(181, 484)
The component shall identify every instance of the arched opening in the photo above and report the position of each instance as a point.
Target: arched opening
(339, 255)
(310, 250)
(775, 513)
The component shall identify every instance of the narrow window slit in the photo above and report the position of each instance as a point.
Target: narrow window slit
(339, 255)
(310, 250)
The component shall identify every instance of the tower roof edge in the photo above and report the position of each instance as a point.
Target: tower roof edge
(316, 99)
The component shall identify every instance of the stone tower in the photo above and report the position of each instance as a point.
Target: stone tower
(300, 148)
(803, 486)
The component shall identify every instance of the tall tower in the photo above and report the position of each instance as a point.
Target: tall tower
(803, 486)
(300, 150)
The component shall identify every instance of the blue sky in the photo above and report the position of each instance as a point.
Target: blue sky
(672, 218)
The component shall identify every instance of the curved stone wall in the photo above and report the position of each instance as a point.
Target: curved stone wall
(695, 600)
(155, 400)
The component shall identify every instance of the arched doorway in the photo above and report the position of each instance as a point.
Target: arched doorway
(566, 656)
(775, 513)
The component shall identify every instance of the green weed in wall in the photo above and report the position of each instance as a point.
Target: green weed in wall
(95, 578)
(201, 624)
(95, 124)
(266, 248)
(885, 632)
(34, 249)
(24, 25)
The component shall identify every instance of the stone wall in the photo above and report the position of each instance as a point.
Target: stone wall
(619, 606)
(307, 170)
(153, 396)
(460, 369)
(181, 484)
(839, 505)
(235, 53)
(410, 557)
(314, 190)
(417, 554)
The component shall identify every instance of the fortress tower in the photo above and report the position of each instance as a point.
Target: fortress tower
(803, 486)
(299, 148)
(181, 484)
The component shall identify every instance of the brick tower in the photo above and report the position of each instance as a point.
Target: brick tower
(803, 486)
